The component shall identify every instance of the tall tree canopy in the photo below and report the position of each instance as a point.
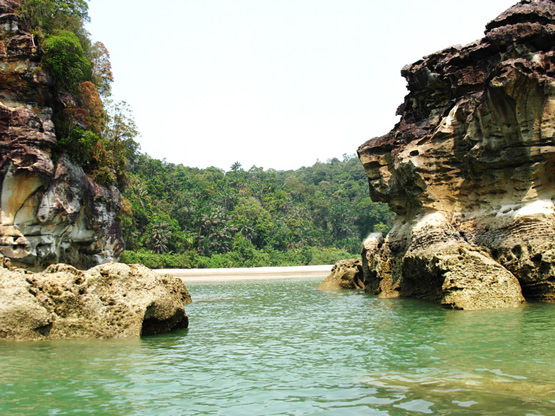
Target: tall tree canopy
(188, 217)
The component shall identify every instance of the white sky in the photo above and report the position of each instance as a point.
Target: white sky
(272, 83)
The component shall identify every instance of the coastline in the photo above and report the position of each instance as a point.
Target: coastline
(250, 273)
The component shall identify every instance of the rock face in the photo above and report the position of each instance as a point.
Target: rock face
(345, 274)
(50, 211)
(470, 171)
(107, 301)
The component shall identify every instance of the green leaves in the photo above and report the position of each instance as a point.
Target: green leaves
(65, 59)
(313, 215)
(101, 140)
(79, 145)
(59, 27)
(76, 8)
(101, 69)
(49, 15)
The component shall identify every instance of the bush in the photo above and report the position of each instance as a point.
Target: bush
(65, 59)
(244, 256)
(187, 260)
(329, 255)
(78, 145)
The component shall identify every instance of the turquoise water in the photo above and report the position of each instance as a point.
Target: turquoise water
(286, 348)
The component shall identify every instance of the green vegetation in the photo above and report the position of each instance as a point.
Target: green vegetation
(187, 217)
(65, 58)
(45, 17)
(95, 134)
(175, 216)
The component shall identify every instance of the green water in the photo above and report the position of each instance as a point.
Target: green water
(285, 348)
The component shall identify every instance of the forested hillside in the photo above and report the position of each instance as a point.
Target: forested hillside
(176, 216)
(188, 217)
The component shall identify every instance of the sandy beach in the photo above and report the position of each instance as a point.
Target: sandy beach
(253, 273)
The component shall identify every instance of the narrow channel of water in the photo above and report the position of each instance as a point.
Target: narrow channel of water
(286, 348)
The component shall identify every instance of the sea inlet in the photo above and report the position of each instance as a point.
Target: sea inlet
(282, 347)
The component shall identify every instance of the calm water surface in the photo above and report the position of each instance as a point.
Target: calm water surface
(285, 348)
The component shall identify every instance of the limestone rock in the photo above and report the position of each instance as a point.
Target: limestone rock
(345, 274)
(459, 276)
(50, 210)
(470, 167)
(107, 301)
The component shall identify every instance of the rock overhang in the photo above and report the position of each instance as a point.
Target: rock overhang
(474, 151)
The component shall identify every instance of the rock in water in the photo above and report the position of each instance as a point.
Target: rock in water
(345, 274)
(470, 171)
(51, 211)
(107, 301)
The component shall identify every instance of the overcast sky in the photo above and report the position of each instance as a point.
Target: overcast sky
(273, 83)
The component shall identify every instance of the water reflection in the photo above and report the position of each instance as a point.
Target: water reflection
(477, 362)
(479, 393)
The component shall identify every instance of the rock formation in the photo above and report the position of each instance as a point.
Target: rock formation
(50, 210)
(470, 171)
(108, 301)
(345, 274)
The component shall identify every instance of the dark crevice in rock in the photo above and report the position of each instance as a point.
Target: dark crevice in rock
(154, 326)
(44, 330)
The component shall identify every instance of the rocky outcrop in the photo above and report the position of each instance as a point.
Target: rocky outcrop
(345, 274)
(470, 171)
(50, 210)
(107, 301)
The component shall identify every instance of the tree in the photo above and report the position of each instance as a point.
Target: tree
(253, 220)
(101, 69)
(119, 135)
(314, 214)
(235, 167)
(48, 15)
(65, 59)
(121, 128)
(157, 237)
(93, 117)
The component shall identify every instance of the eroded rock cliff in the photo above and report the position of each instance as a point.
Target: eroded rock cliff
(470, 171)
(50, 210)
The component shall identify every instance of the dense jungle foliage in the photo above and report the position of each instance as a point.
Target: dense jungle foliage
(188, 217)
(176, 216)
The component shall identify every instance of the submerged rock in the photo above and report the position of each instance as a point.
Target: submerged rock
(345, 274)
(108, 301)
(469, 171)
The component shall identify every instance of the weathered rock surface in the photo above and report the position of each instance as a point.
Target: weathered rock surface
(470, 171)
(51, 211)
(108, 301)
(345, 274)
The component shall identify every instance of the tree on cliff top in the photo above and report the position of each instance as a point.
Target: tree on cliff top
(65, 58)
(99, 139)
(101, 69)
(49, 15)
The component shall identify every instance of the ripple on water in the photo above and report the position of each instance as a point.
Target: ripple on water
(285, 348)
